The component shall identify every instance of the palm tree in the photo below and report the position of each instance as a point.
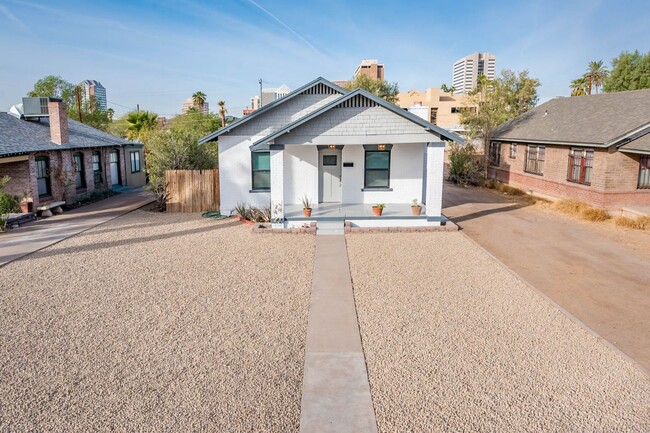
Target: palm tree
(579, 86)
(139, 122)
(222, 112)
(199, 99)
(595, 75)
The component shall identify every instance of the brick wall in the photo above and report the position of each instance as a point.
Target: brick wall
(613, 180)
(19, 182)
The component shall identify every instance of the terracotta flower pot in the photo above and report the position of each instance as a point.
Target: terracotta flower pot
(377, 210)
(24, 206)
(416, 210)
(306, 212)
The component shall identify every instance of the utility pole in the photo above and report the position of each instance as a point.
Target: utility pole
(79, 103)
(137, 106)
(260, 92)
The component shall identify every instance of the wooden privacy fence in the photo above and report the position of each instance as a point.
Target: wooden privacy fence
(192, 190)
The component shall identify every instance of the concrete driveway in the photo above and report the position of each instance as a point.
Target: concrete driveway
(595, 271)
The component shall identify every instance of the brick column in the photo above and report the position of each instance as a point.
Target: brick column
(277, 179)
(435, 168)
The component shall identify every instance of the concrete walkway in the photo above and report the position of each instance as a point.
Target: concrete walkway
(336, 392)
(32, 237)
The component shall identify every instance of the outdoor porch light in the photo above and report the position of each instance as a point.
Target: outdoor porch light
(381, 147)
(331, 147)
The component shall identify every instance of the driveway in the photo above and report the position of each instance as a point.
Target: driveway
(597, 272)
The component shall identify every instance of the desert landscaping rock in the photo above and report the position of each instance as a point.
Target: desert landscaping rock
(156, 322)
(455, 342)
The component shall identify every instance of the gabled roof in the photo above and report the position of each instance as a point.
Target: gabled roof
(379, 101)
(19, 136)
(639, 145)
(598, 120)
(268, 107)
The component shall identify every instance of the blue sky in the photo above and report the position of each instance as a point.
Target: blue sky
(157, 53)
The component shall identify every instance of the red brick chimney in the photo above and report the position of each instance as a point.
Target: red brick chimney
(58, 121)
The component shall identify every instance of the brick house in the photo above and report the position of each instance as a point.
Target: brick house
(592, 148)
(50, 158)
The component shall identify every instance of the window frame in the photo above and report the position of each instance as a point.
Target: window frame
(253, 171)
(79, 170)
(387, 149)
(586, 165)
(539, 171)
(46, 175)
(98, 174)
(491, 160)
(135, 161)
(513, 151)
(643, 181)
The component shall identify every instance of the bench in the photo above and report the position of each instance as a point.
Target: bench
(49, 208)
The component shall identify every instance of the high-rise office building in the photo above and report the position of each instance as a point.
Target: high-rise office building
(370, 68)
(466, 71)
(94, 92)
(189, 103)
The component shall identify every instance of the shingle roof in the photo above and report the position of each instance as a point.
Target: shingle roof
(19, 136)
(640, 145)
(594, 119)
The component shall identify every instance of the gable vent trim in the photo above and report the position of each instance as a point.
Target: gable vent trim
(320, 89)
(358, 101)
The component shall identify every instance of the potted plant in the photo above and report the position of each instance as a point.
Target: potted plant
(26, 203)
(416, 208)
(378, 209)
(306, 206)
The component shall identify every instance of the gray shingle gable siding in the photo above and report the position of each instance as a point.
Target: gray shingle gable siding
(593, 119)
(18, 136)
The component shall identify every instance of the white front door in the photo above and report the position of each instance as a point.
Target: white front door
(115, 168)
(329, 168)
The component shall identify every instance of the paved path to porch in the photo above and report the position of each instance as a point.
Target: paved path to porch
(336, 392)
(17, 243)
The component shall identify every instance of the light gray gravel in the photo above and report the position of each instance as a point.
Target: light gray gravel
(455, 342)
(156, 322)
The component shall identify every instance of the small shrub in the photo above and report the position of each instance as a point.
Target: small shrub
(502, 187)
(8, 203)
(638, 223)
(464, 165)
(252, 213)
(581, 210)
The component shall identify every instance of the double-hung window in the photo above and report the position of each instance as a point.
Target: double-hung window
(79, 174)
(377, 166)
(644, 172)
(135, 162)
(513, 150)
(535, 159)
(261, 170)
(495, 153)
(97, 168)
(581, 163)
(43, 176)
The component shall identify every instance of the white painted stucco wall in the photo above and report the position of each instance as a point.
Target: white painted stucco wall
(300, 173)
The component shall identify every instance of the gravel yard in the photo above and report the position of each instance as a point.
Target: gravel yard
(455, 342)
(156, 322)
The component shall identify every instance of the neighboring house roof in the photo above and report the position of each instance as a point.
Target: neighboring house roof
(599, 120)
(258, 145)
(639, 145)
(268, 107)
(19, 136)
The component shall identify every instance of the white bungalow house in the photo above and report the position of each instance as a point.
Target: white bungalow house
(343, 150)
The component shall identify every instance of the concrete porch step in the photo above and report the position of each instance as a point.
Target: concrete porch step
(329, 227)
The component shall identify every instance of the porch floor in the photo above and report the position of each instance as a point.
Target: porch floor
(347, 211)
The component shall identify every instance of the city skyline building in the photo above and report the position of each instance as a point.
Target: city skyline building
(465, 72)
(95, 93)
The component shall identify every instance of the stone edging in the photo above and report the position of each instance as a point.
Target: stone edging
(348, 229)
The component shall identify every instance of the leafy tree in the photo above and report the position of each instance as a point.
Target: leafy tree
(110, 113)
(8, 203)
(595, 76)
(53, 86)
(89, 116)
(630, 71)
(175, 149)
(222, 111)
(579, 87)
(201, 124)
(140, 123)
(199, 99)
(447, 89)
(381, 88)
(499, 100)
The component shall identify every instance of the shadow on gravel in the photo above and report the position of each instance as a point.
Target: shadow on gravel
(104, 245)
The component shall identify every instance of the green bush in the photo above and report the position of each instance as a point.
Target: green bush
(464, 165)
(8, 203)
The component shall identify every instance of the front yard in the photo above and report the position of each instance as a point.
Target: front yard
(156, 322)
(455, 342)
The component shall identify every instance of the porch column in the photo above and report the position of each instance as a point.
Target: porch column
(435, 168)
(277, 180)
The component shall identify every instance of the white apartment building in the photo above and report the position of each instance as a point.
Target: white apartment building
(466, 71)
(270, 94)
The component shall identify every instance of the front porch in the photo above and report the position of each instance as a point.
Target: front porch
(351, 212)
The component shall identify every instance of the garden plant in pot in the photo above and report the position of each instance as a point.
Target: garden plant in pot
(306, 206)
(416, 208)
(378, 209)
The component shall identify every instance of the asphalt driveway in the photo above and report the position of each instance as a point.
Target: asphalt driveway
(595, 271)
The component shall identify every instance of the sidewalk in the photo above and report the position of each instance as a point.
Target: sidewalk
(32, 237)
